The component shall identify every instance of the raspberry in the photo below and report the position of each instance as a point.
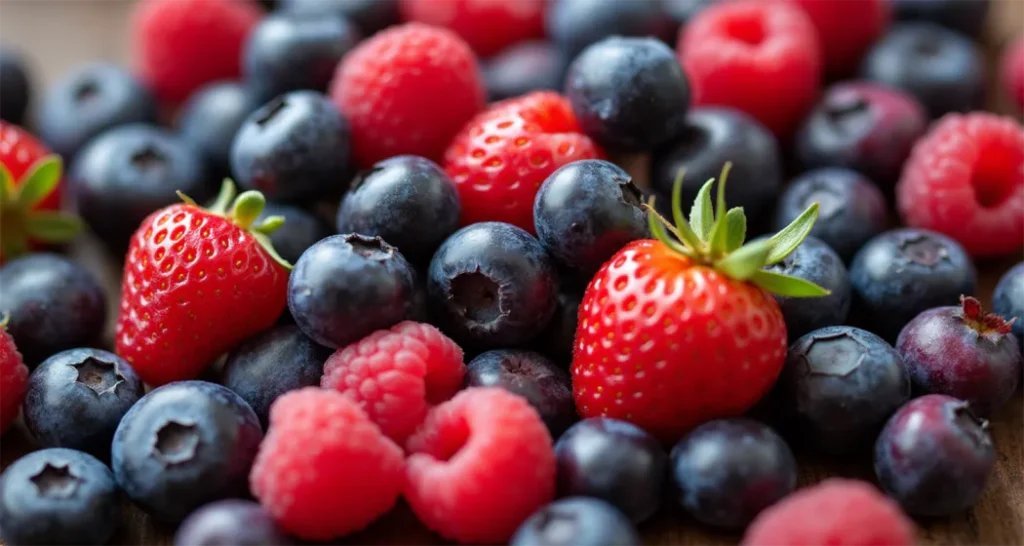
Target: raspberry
(846, 29)
(1011, 69)
(183, 44)
(487, 26)
(481, 464)
(837, 512)
(13, 379)
(324, 469)
(762, 57)
(965, 178)
(407, 90)
(395, 375)
(503, 155)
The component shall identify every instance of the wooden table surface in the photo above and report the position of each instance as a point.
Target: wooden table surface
(59, 34)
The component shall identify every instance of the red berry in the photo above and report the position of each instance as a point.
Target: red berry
(1012, 71)
(181, 45)
(396, 375)
(480, 464)
(837, 512)
(407, 90)
(760, 56)
(486, 25)
(503, 155)
(324, 470)
(846, 29)
(13, 380)
(965, 178)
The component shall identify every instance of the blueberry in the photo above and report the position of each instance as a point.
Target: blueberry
(234, 522)
(210, 119)
(522, 68)
(76, 398)
(712, 137)
(727, 471)
(902, 272)
(628, 93)
(347, 286)
(575, 24)
(815, 261)
(576, 521)
(272, 363)
(289, 52)
(681, 11)
(557, 339)
(943, 69)
(863, 126)
(851, 210)
(15, 87)
(369, 15)
(586, 211)
(294, 148)
(300, 231)
(615, 461)
(966, 16)
(1008, 299)
(934, 456)
(183, 445)
(88, 101)
(543, 384)
(408, 201)
(52, 303)
(491, 285)
(838, 386)
(127, 173)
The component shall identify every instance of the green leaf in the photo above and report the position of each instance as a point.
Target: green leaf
(746, 261)
(264, 242)
(792, 235)
(786, 285)
(720, 230)
(7, 189)
(53, 227)
(40, 182)
(224, 197)
(247, 208)
(701, 215)
(269, 225)
(736, 222)
(657, 225)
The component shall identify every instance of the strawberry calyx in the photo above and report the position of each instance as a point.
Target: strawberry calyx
(975, 317)
(20, 221)
(242, 210)
(714, 237)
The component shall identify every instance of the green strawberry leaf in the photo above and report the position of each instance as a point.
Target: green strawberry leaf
(7, 189)
(746, 260)
(736, 221)
(40, 182)
(786, 285)
(657, 225)
(720, 230)
(264, 241)
(248, 206)
(224, 198)
(701, 215)
(53, 227)
(792, 235)
(683, 230)
(269, 225)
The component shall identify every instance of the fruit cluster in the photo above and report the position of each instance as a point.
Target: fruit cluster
(503, 329)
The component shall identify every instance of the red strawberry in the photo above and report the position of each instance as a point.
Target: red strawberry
(13, 379)
(196, 283)
(30, 195)
(674, 334)
(504, 154)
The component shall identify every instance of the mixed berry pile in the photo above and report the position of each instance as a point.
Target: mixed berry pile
(533, 268)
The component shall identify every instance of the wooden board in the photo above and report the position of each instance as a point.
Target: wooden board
(61, 34)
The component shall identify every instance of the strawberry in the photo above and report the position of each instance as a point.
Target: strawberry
(676, 332)
(502, 156)
(196, 283)
(13, 378)
(30, 195)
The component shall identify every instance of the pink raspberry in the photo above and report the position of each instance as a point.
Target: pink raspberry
(324, 469)
(480, 464)
(1011, 70)
(846, 29)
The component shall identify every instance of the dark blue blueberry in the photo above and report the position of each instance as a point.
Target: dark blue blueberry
(408, 201)
(300, 231)
(522, 68)
(544, 384)
(52, 304)
(183, 445)
(576, 521)
(557, 339)
(289, 52)
(934, 456)
(58, 496)
(210, 119)
(127, 173)
(294, 148)
(838, 386)
(726, 471)
(712, 137)
(15, 87)
(272, 363)
(966, 16)
(230, 522)
(903, 272)
(369, 15)
(817, 262)
(574, 24)
(681, 11)
(88, 101)
(491, 285)
(586, 211)
(615, 461)
(851, 210)
(1008, 299)
(628, 93)
(76, 398)
(347, 286)
(943, 69)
